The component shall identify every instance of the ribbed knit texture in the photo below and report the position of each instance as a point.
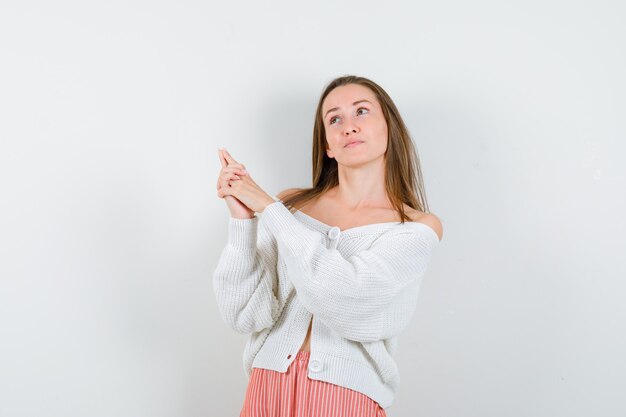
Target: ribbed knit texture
(278, 270)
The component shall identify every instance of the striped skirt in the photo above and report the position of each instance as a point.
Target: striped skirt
(293, 394)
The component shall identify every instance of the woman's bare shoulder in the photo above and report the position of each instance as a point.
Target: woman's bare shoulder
(428, 219)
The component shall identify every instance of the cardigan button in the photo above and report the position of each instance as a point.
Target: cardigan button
(334, 232)
(315, 365)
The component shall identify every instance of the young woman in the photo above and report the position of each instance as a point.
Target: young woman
(325, 278)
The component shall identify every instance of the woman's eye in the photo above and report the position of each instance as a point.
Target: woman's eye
(359, 109)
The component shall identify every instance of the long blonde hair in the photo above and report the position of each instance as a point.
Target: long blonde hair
(403, 177)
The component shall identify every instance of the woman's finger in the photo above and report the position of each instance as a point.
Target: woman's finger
(229, 158)
(239, 166)
(223, 162)
(225, 191)
(236, 169)
(231, 170)
(225, 178)
(223, 181)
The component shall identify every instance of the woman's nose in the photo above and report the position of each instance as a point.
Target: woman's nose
(350, 128)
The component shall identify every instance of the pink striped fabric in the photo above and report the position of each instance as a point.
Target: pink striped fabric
(293, 394)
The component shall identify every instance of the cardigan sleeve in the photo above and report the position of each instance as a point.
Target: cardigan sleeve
(368, 296)
(245, 279)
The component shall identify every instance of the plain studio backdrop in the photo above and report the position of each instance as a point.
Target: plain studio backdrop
(111, 115)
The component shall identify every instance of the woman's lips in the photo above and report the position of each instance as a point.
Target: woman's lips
(353, 144)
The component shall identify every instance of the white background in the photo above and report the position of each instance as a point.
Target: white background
(111, 115)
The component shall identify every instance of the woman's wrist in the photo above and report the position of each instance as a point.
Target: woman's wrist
(267, 202)
(242, 218)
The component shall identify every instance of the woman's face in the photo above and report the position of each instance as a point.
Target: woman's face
(352, 113)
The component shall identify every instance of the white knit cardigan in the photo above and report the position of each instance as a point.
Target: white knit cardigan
(360, 286)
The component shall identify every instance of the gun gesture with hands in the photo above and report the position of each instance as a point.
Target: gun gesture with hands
(243, 196)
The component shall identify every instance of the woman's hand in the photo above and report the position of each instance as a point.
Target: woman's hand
(241, 186)
(228, 172)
